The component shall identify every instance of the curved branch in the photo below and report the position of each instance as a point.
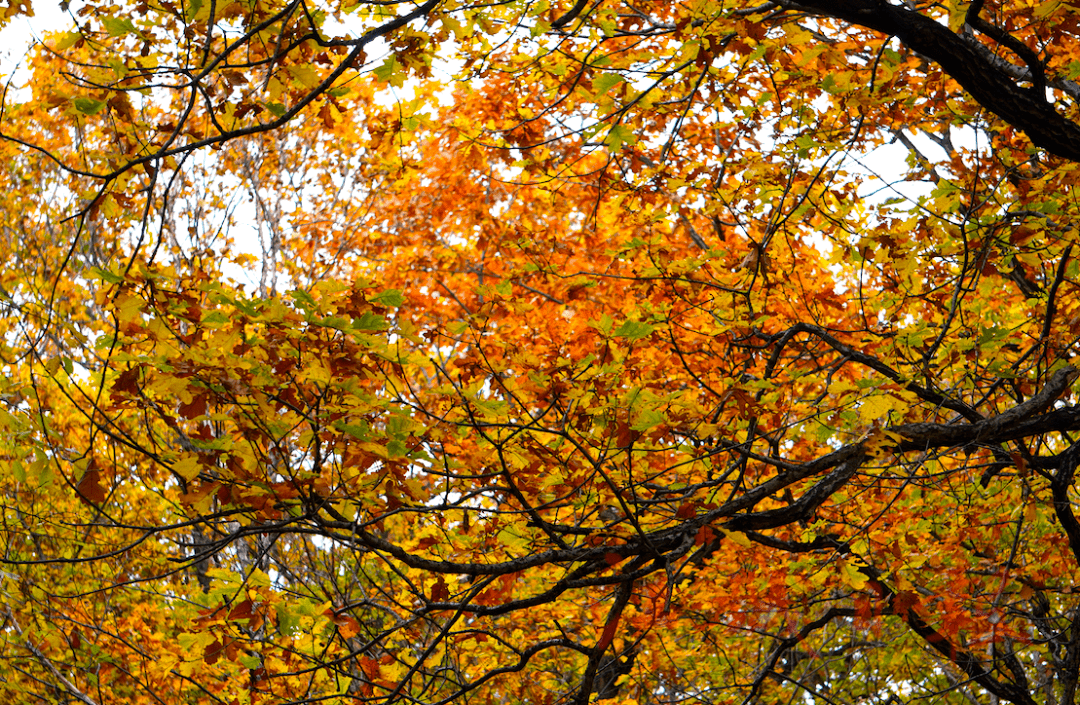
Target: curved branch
(925, 393)
(965, 660)
(570, 15)
(1059, 488)
(961, 58)
(1035, 65)
(785, 645)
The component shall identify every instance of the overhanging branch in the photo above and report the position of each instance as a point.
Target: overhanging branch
(965, 60)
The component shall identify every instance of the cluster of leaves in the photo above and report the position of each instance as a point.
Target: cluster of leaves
(620, 366)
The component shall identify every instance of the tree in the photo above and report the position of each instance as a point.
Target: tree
(616, 367)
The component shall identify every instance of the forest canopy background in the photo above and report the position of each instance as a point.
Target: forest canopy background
(602, 370)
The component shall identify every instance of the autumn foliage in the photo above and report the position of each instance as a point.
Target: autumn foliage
(541, 352)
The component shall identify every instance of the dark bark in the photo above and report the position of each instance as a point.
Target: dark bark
(967, 62)
(1014, 692)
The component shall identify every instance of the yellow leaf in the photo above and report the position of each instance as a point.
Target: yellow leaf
(187, 468)
(878, 407)
(852, 576)
(739, 538)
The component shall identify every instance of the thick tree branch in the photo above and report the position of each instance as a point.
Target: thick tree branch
(964, 59)
(570, 14)
(1059, 487)
(1023, 420)
(965, 660)
(1035, 65)
(924, 393)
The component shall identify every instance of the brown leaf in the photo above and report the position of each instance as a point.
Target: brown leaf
(90, 489)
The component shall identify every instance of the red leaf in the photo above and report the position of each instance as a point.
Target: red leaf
(197, 407)
(90, 489)
(904, 601)
(242, 610)
(347, 626)
(686, 511)
(213, 652)
(127, 381)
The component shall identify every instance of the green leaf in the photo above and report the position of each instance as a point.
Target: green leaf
(68, 40)
(215, 319)
(647, 420)
(618, 137)
(338, 322)
(249, 661)
(118, 26)
(359, 432)
(606, 82)
(192, 9)
(391, 72)
(370, 321)
(303, 300)
(390, 297)
(105, 275)
(634, 330)
(288, 619)
(89, 106)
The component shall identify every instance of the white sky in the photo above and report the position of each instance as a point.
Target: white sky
(17, 37)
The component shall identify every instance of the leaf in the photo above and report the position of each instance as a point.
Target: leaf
(191, 9)
(618, 137)
(606, 82)
(118, 26)
(851, 576)
(390, 71)
(187, 468)
(107, 276)
(370, 321)
(90, 488)
(195, 408)
(739, 538)
(88, 106)
(391, 298)
(647, 419)
(612, 558)
(878, 407)
(68, 40)
(305, 76)
(440, 592)
(634, 330)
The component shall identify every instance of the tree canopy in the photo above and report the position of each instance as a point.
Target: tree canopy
(541, 352)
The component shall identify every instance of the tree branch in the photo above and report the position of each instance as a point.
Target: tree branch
(962, 59)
